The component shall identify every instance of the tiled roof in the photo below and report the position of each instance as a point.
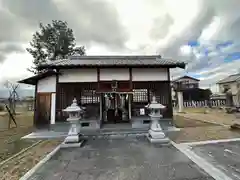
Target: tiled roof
(189, 77)
(230, 78)
(33, 80)
(114, 61)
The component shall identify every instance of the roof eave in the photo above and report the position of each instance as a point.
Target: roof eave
(179, 65)
(34, 79)
(225, 82)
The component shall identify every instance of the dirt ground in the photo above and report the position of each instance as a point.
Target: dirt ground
(11, 143)
(197, 125)
(23, 119)
(212, 116)
(204, 133)
(17, 167)
(10, 139)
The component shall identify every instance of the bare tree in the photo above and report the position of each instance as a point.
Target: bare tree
(13, 95)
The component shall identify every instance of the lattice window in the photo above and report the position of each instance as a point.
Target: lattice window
(89, 97)
(140, 95)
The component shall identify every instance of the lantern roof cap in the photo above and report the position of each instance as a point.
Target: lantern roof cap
(73, 107)
(154, 104)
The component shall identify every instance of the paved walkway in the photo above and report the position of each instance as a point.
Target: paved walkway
(120, 159)
(224, 155)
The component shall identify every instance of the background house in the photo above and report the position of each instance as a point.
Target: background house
(231, 82)
(190, 88)
(189, 82)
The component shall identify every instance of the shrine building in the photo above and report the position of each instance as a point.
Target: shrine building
(111, 89)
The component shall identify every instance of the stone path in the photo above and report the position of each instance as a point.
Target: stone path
(225, 156)
(120, 159)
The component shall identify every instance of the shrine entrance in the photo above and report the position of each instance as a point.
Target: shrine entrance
(115, 107)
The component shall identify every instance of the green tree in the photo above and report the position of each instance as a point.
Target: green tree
(53, 41)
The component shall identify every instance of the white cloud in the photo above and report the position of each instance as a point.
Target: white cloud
(15, 67)
(135, 27)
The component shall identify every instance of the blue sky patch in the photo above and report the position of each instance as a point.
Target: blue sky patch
(224, 44)
(194, 75)
(193, 43)
(232, 57)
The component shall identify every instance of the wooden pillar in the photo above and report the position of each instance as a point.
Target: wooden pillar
(129, 95)
(148, 94)
(35, 106)
(100, 97)
(180, 101)
(100, 108)
(130, 79)
(169, 89)
(57, 97)
(129, 106)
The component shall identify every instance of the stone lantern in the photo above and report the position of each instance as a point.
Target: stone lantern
(155, 133)
(74, 112)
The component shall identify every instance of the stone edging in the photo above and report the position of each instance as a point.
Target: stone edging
(202, 163)
(39, 164)
(210, 142)
(22, 151)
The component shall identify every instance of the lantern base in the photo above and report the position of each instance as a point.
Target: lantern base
(72, 141)
(157, 137)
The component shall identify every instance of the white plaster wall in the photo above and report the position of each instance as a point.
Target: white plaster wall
(149, 74)
(47, 84)
(232, 85)
(78, 75)
(114, 74)
(53, 108)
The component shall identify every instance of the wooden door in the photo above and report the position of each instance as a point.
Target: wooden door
(43, 109)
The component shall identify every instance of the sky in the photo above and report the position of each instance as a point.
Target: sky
(203, 33)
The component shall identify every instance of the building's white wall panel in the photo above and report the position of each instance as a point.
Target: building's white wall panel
(107, 74)
(78, 75)
(150, 74)
(47, 84)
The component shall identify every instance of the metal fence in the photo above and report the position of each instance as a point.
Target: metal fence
(213, 103)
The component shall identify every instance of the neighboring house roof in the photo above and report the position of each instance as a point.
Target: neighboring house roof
(34, 79)
(186, 77)
(231, 78)
(109, 61)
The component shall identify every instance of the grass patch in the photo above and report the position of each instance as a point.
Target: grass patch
(11, 142)
(18, 166)
(24, 119)
(182, 122)
(195, 110)
(10, 139)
